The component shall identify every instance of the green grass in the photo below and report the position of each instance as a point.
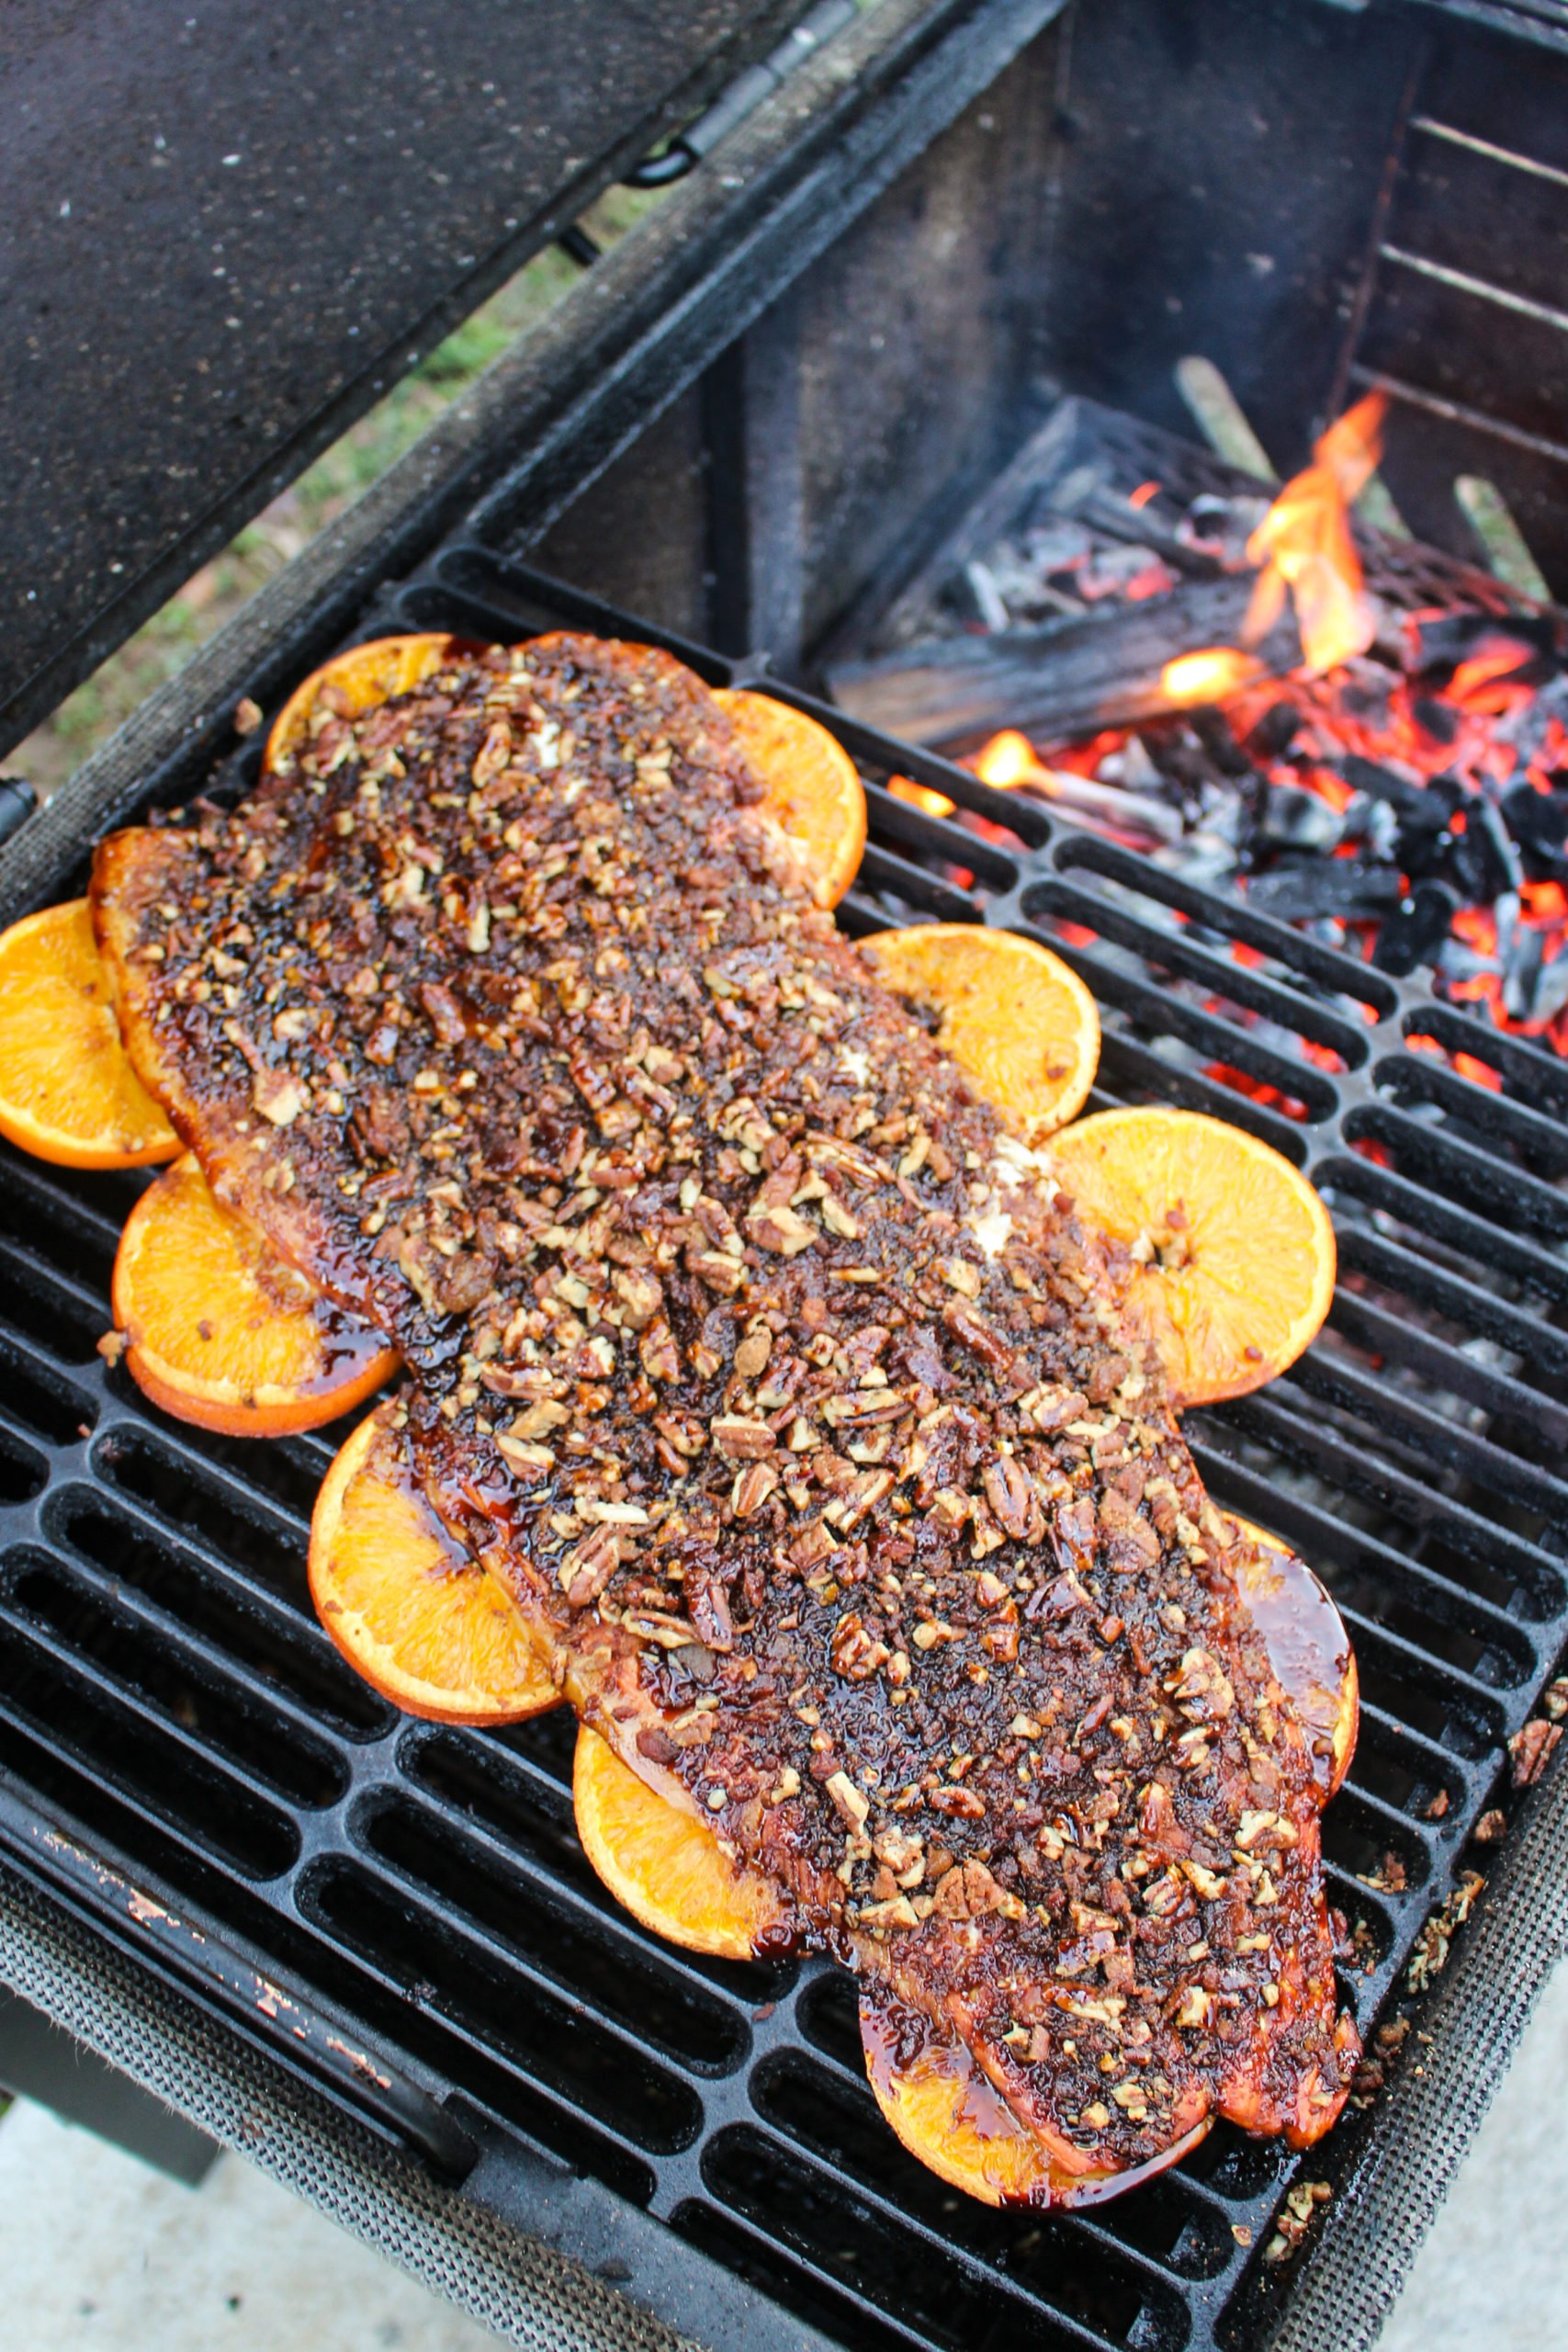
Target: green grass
(212, 596)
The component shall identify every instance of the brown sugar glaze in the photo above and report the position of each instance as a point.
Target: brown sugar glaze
(770, 1371)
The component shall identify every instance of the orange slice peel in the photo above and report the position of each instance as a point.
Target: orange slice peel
(948, 2115)
(812, 791)
(352, 682)
(1235, 1249)
(1019, 1023)
(664, 1865)
(68, 1093)
(219, 1332)
(425, 1624)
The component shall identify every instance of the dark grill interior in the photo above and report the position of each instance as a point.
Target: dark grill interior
(166, 1692)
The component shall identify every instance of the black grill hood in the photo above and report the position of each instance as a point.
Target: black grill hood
(230, 229)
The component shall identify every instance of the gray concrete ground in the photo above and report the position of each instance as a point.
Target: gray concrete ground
(1492, 2277)
(98, 2254)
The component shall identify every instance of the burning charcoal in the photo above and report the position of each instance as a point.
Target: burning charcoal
(1057, 546)
(1439, 720)
(1416, 928)
(1205, 859)
(1132, 768)
(1275, 732)
(1551, 991)
(1221, 528)
(1495, 854)
(1506, 917)
(1462, 859)
(989, 605)
(1367, 693)
(1326, 885)
(1414, 802)
(1116, 570)
(1521, 974)
(1528, 725)
(1081, 799)
(1538, 822)
(1456, 961)
(1287, 817)
(1445, 640)
(1374, 823)
(1213, 732)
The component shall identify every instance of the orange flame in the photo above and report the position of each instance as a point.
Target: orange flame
(1305, 544)
(1208, 676)
(919, 796)
(1008, 761)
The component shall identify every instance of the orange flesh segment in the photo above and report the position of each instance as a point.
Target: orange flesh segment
(813, 792)
(1238, 1248)
(426, 1625)
(68, 1093)
(359, 678)
(667, 1868)
(947, 2114)
(1308, 1647)
(219, 1332)
(1019, 1023)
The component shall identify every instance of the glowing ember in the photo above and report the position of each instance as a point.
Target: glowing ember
(1305, 544)
(1008, 761)
(1208, 676)
(919, 796)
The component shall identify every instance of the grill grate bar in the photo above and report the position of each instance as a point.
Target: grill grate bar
(1333, 1375)
(953, 2255)
(134, 1609)
(403, 1887)
(1301, 1441)
(1375, 1329)
(86, 1772)
(592, 1913)
(1540, 1343)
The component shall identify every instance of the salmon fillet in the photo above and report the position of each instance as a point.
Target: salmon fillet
(775, 1378)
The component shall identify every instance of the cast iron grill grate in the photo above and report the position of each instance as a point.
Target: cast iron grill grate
(166, 1697)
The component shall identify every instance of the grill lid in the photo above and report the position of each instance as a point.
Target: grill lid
(230, 230)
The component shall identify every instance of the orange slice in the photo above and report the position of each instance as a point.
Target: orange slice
(359, 679)
(1018, 1021)
(948, 2115)
(1308, 1647)
(667, 1869)
(221, 1332)
(1236, 1250)
(67, 1090)
(812, 790)
(424, 1625)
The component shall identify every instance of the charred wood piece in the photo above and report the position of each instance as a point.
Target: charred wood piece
(1064, 679)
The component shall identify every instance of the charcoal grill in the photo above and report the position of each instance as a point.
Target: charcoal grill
(370, 1949)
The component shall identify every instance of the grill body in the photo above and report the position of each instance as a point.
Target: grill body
(403, 1908)
(720, 435)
